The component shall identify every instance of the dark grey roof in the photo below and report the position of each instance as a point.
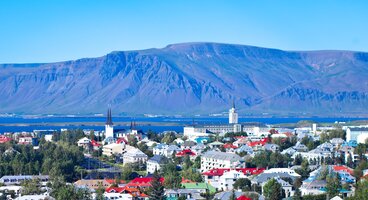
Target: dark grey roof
(221, 155)
(267, 176)
(359, 129)
(158, 159)
(189, 143)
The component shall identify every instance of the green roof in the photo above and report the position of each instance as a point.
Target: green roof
(207, 186)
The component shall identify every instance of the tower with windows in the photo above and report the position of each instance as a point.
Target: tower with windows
(233, 115)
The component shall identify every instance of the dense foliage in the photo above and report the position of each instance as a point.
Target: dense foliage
(50, 159)
(272, 190)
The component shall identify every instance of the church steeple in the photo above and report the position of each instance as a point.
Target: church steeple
(233, 103)
(109, 118)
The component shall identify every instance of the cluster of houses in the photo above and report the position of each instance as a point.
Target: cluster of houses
(222, 163)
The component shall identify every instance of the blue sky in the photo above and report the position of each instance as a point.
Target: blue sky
(55, 30)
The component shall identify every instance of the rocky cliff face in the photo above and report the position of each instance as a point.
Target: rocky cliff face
(192, 78)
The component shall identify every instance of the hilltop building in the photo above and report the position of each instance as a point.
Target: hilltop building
(233, 115)
(204, 130)
(353, 133)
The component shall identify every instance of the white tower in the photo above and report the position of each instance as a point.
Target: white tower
(233, 115)
(109, 129)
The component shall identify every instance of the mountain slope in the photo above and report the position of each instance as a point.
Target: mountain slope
(192, 78)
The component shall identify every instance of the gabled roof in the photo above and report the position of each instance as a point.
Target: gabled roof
(243, 198)
(185, 152)
(142, 182)
(4, 139)
(343, 168)
(95, 144)
(246, 171)
(122, 140)
(199, 186)
(229, 146)
(262, 142)
(221, 156)
(158, 159)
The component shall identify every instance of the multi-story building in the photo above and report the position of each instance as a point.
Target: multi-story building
(134, 155)
(352, 133)
(113, 149)
(17, 180)
(155, 163)
(228, 179)
(216, 159)
(166, 150)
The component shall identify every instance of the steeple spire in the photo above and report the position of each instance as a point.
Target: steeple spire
(109, 118)
(233, 103)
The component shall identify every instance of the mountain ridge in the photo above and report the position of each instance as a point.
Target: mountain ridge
(192, 78)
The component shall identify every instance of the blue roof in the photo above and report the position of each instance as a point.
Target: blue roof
(202, 139)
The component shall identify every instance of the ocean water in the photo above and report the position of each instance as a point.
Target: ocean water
(35, 123)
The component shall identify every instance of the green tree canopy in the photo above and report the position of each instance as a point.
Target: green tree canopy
(272, 190)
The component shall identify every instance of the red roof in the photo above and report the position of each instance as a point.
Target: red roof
(115, 189)
(4, 139)
(185, 152)
(94, 143)
(229, 146)
(133, 191)
(243, 198)
(343, 168)
(121, 140)
(246, 171)
(142, 182)
(111, 181)
(183, 180)
(256, 143)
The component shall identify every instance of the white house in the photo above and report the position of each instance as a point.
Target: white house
(117, 196)
(282, 170)
(286, 187)
(113, 149)
(227, 180)
(134, 155)
(216, 159)
(155, 163)
(84, 142)
(166, 150)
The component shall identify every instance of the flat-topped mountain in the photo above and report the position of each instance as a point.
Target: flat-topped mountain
(192, 78)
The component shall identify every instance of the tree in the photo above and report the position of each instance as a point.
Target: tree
(297, 194)
(61, 190)
(272, 190)
(168, 138)
(361, 192)
(172, 176)
(127, 170)
(99, 192)
(261, 160)
(232, 196)
(92, 135)
(31, 187)
(187, 163)
(242, 183)
(304, 169)
(157, 189)
(333, 185)
(197, 162)
(298, 159)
